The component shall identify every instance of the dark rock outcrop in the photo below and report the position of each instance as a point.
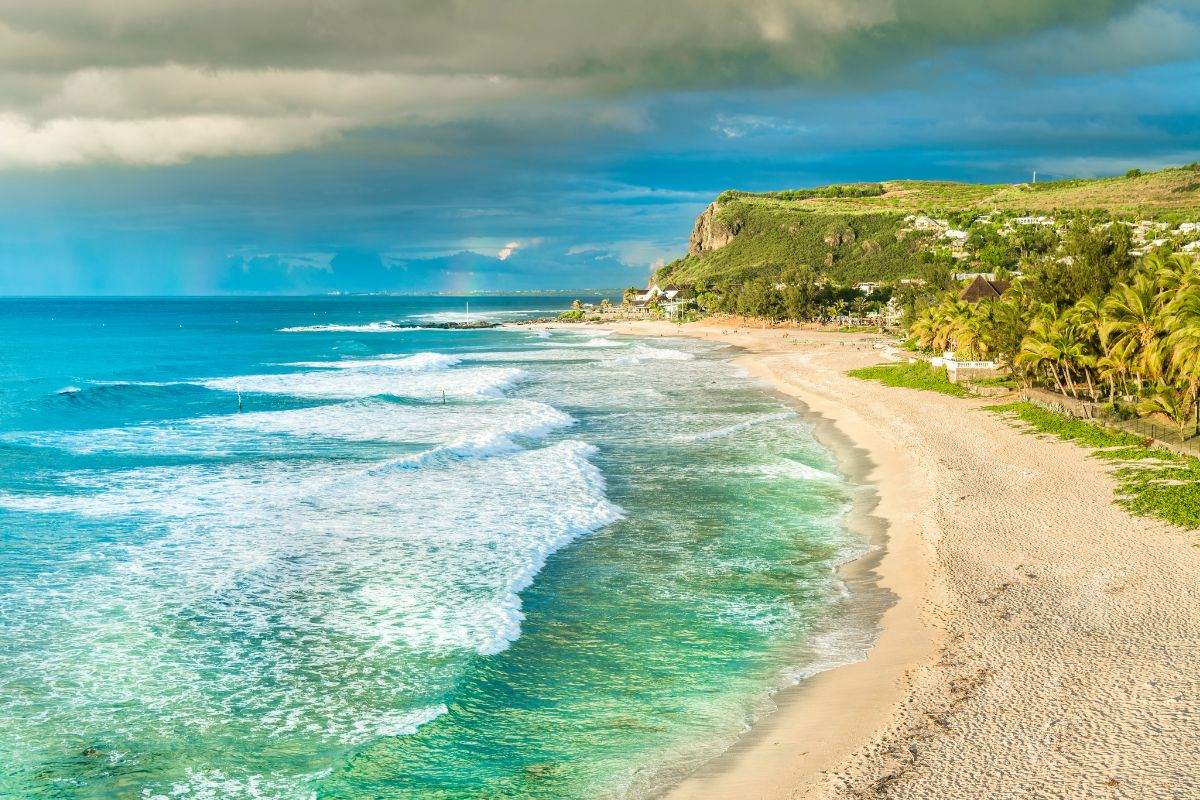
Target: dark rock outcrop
(711, 233)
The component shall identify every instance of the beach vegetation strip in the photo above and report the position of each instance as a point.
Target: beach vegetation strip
(1152, 481)
(915, 375)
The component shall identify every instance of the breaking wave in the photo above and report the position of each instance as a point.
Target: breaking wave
(738, 427)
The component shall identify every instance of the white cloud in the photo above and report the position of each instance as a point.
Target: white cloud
(159, 141)
(735, 126)
(632, 253)
(508, 250)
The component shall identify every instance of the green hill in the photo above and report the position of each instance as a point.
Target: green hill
(863, 232)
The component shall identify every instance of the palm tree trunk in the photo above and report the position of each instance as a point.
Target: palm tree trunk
(1070, 383)
(1054, 374)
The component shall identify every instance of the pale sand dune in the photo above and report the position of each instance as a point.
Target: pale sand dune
(1044, 643)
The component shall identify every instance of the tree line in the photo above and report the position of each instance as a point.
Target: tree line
(1127, 338)
(800, 295)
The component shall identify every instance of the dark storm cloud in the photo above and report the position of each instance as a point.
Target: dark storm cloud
(162, 82)
(270, 146)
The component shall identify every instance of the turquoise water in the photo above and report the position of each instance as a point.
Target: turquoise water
(414, 564)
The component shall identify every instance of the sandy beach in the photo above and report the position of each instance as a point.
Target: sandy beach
(1041, 641)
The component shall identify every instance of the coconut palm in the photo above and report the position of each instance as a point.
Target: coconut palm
(1134, 324)
(1184, 346)
(859, 307)
(1038, 350)
(1174, 402)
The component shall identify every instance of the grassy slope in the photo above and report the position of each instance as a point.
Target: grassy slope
(1153, 194)
(778, 234)
(775, 238)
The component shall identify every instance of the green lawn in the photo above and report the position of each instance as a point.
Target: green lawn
(917, 375)
(1003, 381)
(1152, 482)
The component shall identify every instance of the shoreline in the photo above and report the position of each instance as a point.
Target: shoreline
(1041, 642)
(820, 721)
(815, 724)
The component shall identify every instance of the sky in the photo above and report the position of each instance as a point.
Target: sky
(200, 147)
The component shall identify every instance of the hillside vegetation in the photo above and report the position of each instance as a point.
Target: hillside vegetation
(861, 232)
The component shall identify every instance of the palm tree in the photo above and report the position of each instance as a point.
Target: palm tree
(1070, 349)
(1174, 402)
(1134, 324)
(1112, 368)
(1184, 346)
(1169, 273)
(859, 307)
(1038, 351)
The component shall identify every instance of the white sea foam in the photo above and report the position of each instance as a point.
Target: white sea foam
(386, 326)
(369, 420)
(563, 354)
(738, 427)
(487, 446)
(420, 362)
(374, 382)
(796, 470)
(320, 584)
(476, 316)
(595, 341)
(642, 353)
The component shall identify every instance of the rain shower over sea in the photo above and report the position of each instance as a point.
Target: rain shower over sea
(415, 563)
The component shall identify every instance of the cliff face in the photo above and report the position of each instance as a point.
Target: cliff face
(710, 233)
(740, 238)
(852, 236)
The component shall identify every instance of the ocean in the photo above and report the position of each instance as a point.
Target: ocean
(288, 548)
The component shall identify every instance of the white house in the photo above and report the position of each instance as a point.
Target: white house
(866, 288)
(925, 223)
(671, 300)
(1044, 221)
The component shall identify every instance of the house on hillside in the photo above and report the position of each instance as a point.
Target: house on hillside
(671, 300)
(982, 287)
(926, 223)
(866, 288)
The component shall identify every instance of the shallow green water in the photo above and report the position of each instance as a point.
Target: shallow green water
(579, 577)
